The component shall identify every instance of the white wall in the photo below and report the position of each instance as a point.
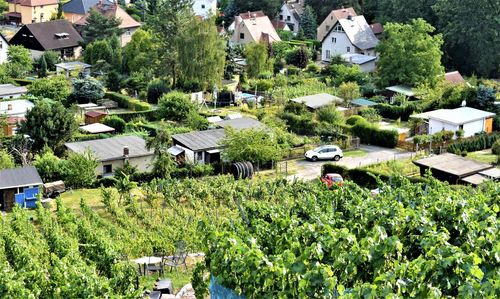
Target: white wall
(143, 164)
(338, 47)
(469, 128)
(368, 67)
(205, 8)
(286, 13)
(473, 127)
(4, 47)
(438, 126)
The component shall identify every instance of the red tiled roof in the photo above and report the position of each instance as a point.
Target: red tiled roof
(454, 77)
(112, 10)
(343, 13)
(278, 24)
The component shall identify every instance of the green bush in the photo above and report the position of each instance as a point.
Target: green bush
(175, 106)
(477, 143)
(115, 122)
(329, 114)
(156, 89)
(443, 136)
(147, 114)
(370, 134)
(299, 124)
(395, 112)
(124, 101)
(495, 149)
(313, 68)
(352, 120)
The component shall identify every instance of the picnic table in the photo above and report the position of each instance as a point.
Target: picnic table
(144, 261)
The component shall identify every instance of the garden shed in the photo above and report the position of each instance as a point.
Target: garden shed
(19, 185)
(92, 117)
(318, 101)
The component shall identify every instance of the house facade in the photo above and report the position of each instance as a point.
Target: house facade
(331, 19)
(348, 36)
(205, 8)
(59, 36)
(253, 27)
(4, 48)
(31, 11)
(113, 153)
(19, 186)
(290, 13)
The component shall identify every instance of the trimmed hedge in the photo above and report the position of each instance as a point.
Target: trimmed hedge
(360, 176)
(477, 143)
(128, 102)
(128, 116)
(395, 112)
(370, 134)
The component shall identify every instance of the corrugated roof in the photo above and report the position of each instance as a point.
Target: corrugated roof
(453, 164)
(200, 140)
(359, 32)
(112, 148)
(407, 91)
(357, 58)
(10, 89)
(19, 177)
(241, 123)
(363, 102)
(318, 100)
(45, 34)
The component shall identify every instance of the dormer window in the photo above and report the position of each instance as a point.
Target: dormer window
(339, 28)
(62, 35)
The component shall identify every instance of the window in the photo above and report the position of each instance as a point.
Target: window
(288, 18)
(281, 17)
(348, 49)
(203, 6)
(461, 127)
(327, 28)
(1, 44)
(327, 54)
(242, 35)
(199, 156)
(107, 168)
(334, 40)
(128, 32)
(338, 28)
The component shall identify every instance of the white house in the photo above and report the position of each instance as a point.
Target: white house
(331, 19)
(290, 13)
(4, 47)
(253, 27)
(205, 8)
(470, 120)
(349, 35)
(112, 153)
(366, 63)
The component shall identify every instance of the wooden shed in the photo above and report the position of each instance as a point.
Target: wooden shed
(93, 117)
(19, 186)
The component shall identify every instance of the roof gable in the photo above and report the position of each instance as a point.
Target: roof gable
(259, 26)
(338, 14)
(359, 32)
(19, 177)
(111, 10)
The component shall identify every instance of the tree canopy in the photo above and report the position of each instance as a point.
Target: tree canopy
(56, 88)
(254, 145)
(410, 54)
(308, 23)
(100, 27)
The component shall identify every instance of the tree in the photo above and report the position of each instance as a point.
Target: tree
(56, 88)
(298, 57)
(330, 115)
(97, 51)
(163, 163)
(141, 52)
(115, 122)
(19, 61)
(87, 90)
(254, 145)
(471, 39)
(257, 59)
(485, 100)
(51, 58)
(113, 81)
(48, 165)
(156, 89)
(3, 5)
(80, 170)
(308, 23)
(99, 27)
(42, 71)
(409, 54)
(6, 160)
(175, 106)
(269, 7)
(343, 73)
(201, 54)
(349, 91)
(393, 11)
(49, 124)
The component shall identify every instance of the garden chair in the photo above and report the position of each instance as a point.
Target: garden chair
(150, 267)
(179, 258)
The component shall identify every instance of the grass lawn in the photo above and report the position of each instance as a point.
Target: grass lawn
(355, 153)
(485, 156)
(403, 167)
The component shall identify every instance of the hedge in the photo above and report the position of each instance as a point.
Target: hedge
(128, 116)
(477, 143)
(370, 134)
(395, 112)
(23, 82)
(124, 101)
(360, 176)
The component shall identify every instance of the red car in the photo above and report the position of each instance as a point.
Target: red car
(332, 179)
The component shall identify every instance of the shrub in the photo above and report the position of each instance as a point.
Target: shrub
(313, 68)
(495, 149)
(299, 124)
(156, 89)
(443, 136)
(124, 101)
(459, 134)
(115, 122)
(370, 134)
(421, 139)
(298, 57)
(371, 115)
(175, 106)
(330, 115)
(352, 120)
(477, 143)
(56, 88)
(395, 112)
(87, 90)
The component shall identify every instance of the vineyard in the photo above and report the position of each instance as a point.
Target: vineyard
(413, 240)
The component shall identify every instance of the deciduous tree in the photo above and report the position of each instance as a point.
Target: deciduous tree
(56, 88)
(349, 91)
(257, 59)
(254, 145)
(87, 90)
(19, 61)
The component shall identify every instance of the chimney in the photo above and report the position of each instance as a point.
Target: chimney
(237, 21)
(125, 151)
(9, 107)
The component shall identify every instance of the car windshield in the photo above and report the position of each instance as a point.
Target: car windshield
(336, 179)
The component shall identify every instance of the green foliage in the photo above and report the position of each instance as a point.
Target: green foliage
(330, 115)
(495, 148)
(42, 71)
(342, 73)
(443, 136)
(113, 80)
(99, 27)
(6, 160)
(49, 166)
(140, 53)
(156, 89)
(97, 52)
(422, 139)
(257, 58)
(371, 115)
(115, 122)
(409, 54)
(87, 90)
(254, 145)
(51, 58)
(371, 134)
(299, 89)
(308, 23)
(349, 91)
(298, 57)
(198, 280)
(19, 61)
(175, 106)
(477, 143)
(56, 88)
(352, 120)
(128, 102)
(80, 170)
(49, 124)
(269, 7)
(395, 112)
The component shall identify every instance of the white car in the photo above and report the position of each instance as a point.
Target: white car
(325, 152)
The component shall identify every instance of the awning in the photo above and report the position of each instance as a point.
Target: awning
(175, 150)
(214, 151)
(13, 15)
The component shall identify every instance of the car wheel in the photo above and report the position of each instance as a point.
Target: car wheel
(314, 159)
(336, 158)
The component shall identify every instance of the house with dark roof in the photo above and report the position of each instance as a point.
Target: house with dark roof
(290, 13)
(19, 186)
(199, 146)
(348, 36)
(31, 11)
(113, 153)
(110, 9)
(59, 36)
(76, 9)
(331, 19)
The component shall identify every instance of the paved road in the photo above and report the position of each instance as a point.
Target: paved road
(307, 170)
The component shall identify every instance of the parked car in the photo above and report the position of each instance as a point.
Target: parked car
(332, 179)
(325, 152)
